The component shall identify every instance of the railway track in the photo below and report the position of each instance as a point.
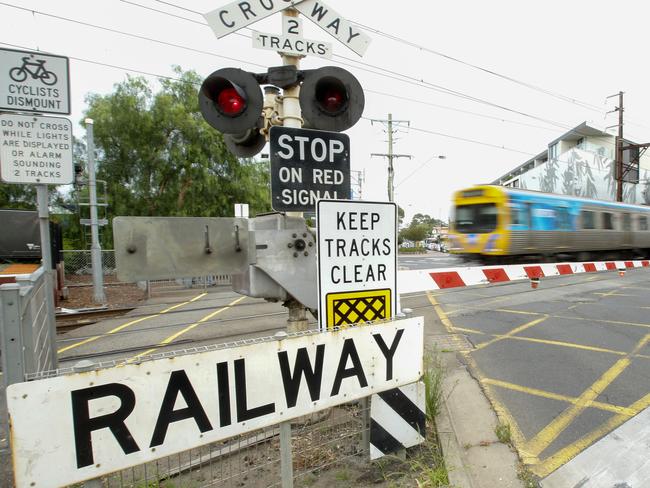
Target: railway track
(68, 321)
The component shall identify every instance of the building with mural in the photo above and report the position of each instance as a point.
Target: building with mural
(582, 163)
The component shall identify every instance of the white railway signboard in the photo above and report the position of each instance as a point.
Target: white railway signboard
(76, 427)
(232, 17)
(291, 42)
(34, 82)
(335, 25)
(357, 261)
(35, 149)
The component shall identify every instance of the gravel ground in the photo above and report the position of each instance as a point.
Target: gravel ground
(118, 295)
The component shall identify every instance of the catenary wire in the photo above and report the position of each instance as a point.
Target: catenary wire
(382, 71)
(147, 73)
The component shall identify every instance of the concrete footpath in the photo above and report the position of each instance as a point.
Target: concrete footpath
(466, 423)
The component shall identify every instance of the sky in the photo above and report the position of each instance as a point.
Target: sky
(487, 85)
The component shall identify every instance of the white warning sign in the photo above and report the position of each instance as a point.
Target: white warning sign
(357, 261)
(35, 149)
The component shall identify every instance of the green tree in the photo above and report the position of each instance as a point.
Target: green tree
(160, 158)
(415, 232)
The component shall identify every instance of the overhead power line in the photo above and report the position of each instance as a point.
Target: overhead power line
(384, 72)
(559, 96)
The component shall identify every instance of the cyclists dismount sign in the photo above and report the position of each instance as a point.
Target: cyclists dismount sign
(34, 82)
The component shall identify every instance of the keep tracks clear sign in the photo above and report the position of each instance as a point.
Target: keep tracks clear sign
(81, 426)
(357, 261)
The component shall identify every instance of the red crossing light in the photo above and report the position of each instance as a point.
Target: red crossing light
(230, 102)
(331, 95)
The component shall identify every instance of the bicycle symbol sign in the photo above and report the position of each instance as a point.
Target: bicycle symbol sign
(34, 82)
(35, 68)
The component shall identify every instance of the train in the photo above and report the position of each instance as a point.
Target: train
(501, 224)
(20, 237)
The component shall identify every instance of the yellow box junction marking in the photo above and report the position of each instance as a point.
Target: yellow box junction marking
(359, 306)
(530, 450)
(549, 433)
(128, 324)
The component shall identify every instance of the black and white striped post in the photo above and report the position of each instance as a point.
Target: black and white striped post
(397, 419)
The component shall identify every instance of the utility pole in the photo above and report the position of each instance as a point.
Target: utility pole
(390, 155)
(619, 150)
(95, 247)
(621, 147)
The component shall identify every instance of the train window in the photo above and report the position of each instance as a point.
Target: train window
(608, 221)
(480, 218)
(588, 219)
(627, 222)
(516, 216)
(643, 222)
(563, 219)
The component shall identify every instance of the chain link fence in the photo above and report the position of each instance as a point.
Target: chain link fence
(79, 262)
(324, 446)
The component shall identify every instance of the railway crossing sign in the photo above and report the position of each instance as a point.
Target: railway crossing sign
(292, 42)
(357, 261)
(307, 165)
(34, 82)
(234, 16)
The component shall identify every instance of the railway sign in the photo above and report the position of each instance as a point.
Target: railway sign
(35, 149)
(292, 42)
(308, 165)
(34, 82)
(335, 25)
(357, 261)
(76, 427)
(232, 17)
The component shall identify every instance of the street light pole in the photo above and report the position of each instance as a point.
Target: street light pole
(95, 247)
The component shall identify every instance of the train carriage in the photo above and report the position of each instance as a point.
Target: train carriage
(495, 223)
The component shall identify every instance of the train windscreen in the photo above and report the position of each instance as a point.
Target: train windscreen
(476, 219)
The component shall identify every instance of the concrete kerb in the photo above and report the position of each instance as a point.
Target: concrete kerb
(466, 425)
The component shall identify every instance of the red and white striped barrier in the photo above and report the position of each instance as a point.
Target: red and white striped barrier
(410, 281)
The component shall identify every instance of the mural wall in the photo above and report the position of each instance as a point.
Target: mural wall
(585, 174)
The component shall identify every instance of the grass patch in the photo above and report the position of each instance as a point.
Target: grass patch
(529, 479)
(502, 430)
(424, 467)
(413, 250)
(432, 378)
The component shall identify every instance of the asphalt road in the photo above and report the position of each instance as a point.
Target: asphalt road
(431, 260)
(563, 365)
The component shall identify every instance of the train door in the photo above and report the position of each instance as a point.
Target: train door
(627, 230)
(563, 223)
(529, 243)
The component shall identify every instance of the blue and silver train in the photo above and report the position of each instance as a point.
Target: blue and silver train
(495, 223)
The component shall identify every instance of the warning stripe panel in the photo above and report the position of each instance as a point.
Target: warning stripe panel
(590, 267)
(449, 279)
(534, 271)
(410, 281)
(496, 275)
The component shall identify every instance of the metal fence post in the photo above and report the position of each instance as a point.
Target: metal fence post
(13, 365)
(286, 455)
(51, 320)
(365, 424)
